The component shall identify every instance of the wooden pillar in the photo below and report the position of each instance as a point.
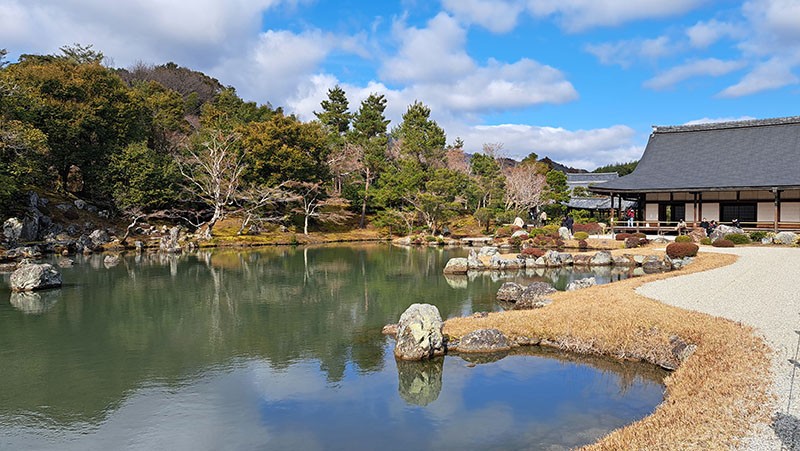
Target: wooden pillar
(694, 211)
(700, 205)
(777, 208)
(612, 218)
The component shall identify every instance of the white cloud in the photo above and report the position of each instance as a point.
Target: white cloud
(496, 16)
(580, 148)
(434, 53)
(703, 34)
(772, 74)
(278, 65)
(775, 20)
(579, 15)
(712, 120)
(625, 53)
(708, 67)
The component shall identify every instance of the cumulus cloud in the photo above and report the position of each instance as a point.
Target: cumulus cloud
(772, 74)
(433, 53)
(703, 34)
(496, 16)
(190, 33)
(625, 53)
(579, 148)
(708, 67)
(579, 15)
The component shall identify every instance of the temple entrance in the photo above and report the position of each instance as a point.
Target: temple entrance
(671, 212)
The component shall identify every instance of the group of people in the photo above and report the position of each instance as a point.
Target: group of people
(709, 226)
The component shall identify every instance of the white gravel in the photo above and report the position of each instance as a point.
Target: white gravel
(762, 289)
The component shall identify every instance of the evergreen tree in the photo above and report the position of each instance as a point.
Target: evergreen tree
(334, 115)
(420, 137)
(369, 134)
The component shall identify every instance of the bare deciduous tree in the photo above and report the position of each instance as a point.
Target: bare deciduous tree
(314, 202)
(524, 187)
(214, 170)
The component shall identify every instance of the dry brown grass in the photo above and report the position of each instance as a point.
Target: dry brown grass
(711, 400)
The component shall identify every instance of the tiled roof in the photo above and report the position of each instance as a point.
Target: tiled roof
(729, 155)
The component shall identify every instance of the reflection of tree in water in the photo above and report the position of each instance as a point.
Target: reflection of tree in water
(172, 316)
(420, 383)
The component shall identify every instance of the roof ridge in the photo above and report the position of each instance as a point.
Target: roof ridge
(726, 125)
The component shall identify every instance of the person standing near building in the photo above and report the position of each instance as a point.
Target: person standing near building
(629, 214)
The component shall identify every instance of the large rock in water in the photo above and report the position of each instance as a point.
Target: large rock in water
(419, 333)
(581, 284)
(484, 340)
(456, 266)
(35, 277)
(534, 296)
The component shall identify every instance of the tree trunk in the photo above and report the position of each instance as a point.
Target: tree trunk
(363, 223)
(216, 217)
(305, 225)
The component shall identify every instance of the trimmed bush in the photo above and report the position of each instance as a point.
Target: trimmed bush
(738, 238)
(706, 241)
(722, 243)
(591, 228)
(683, 239)
(680, 250)
(503, 232)
(758, 235)
(536, 232)
(623, 236)
(580, 235)
(551, 229)
(640, 235)
(534, 252)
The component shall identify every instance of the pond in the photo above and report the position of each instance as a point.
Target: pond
(281, 348)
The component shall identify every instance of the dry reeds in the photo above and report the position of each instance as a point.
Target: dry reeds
(713, 397)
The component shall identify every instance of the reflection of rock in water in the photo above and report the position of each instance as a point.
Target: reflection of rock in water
(420, 382)
(456, 280)
(485, 357)
(35, 303)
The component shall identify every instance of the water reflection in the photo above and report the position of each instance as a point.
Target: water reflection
(35, 303)
(420, 383)
(274, 347)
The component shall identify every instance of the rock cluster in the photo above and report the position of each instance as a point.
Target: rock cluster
(553, 259)
(527, 297)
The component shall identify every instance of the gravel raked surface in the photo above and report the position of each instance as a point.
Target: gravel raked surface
(762, 289)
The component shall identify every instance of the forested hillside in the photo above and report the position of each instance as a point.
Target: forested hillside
(169, 142)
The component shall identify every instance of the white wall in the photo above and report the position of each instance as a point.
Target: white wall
(710, 211)
(790, 211)
(765, 212)
(690, 212)
(651, 213)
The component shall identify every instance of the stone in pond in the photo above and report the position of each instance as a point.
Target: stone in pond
(33, 276)
(419, 333)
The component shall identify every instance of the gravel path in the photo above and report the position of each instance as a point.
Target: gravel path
(762, 289)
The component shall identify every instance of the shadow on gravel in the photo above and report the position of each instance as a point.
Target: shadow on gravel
(787, 428)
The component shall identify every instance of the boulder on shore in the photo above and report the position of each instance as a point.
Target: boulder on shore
(723, 230)
(581, 284)
(601, 258)
(484, 340)
(33, 276)
(510, 292)
(788, 238)
(419, 333)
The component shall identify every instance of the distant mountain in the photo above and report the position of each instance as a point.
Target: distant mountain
(510, 163)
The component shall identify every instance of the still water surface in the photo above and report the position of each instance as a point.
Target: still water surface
(281, 348)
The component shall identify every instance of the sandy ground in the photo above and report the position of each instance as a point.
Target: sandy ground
(762, 289)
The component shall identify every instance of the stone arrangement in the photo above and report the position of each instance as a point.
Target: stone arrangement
(555, 259)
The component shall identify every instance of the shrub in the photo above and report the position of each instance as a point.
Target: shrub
(705, 241)
(591, 228)
(550, 229)
(430, 238)
(722, 243)
(758, 235)
(503, 232)
(514, 228)
(534, 252)
(683, 239)
(580, 235)
(623, 236)
(738, 238)
(680, 250)
(558, 243)
(631, 242)
(583, 245)
(536, 232)
(515, 241)
(640, 235)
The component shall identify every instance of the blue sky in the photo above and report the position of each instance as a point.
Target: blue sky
(580, 81)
